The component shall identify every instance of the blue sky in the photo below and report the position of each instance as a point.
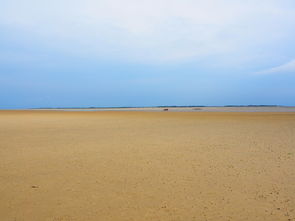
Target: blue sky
(144, 53)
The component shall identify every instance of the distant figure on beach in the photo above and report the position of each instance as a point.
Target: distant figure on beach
(166, 109)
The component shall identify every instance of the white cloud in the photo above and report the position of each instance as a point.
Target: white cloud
(288, 67)
(151, 30)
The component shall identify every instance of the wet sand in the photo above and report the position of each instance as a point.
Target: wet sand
(147, 166)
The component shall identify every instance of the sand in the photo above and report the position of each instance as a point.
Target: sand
(146, 166)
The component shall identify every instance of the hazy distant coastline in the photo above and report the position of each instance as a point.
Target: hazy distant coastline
(227, 108)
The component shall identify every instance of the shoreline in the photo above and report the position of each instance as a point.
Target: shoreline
(173, 109)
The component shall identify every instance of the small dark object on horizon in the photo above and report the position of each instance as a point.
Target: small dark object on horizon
(166, 109)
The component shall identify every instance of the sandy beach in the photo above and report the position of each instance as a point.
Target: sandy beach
(147, 166)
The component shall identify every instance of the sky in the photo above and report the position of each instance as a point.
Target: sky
(81, 53)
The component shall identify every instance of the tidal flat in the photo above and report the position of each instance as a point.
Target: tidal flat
(146, 166)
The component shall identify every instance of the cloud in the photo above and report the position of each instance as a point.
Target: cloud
(288, 67)
(150, 30)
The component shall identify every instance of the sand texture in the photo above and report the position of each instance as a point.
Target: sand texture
(146, 166)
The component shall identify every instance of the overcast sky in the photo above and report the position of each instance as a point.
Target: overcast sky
(62, 53)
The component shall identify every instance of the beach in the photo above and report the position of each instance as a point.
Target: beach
(147, 166)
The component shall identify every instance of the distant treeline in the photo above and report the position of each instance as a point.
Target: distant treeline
(253, 105)
(171, 106)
